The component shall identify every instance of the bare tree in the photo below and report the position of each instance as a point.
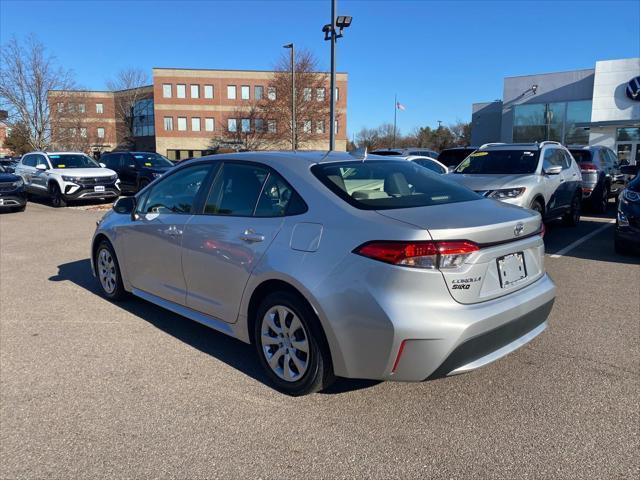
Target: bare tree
(312, 101)
(27, 76)
(127, 87)
(249, 131)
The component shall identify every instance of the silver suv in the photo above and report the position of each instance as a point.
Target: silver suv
(66, 176)
(332, 264)
(541, 176)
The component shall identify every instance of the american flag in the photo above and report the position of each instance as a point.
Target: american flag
(400, 106)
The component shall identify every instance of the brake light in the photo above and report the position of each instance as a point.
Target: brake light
(400, 350)
(421, 254)
(588, 167)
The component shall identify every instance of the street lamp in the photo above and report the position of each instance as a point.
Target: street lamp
(293, 94)
(332, 35)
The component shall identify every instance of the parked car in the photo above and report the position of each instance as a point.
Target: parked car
(332, 264)
(67, 176)
(405, 152)
(451, 157)
(430, 163)
(9, 163)
(627, 232)
(601, 176)
(136, 169)
(12, 193)
(541, 176)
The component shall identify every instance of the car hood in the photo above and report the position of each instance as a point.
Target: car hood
(83, 172)
(490, 182)
(483, 221)
(9, 177)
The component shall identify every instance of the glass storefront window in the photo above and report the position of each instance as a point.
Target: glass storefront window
(552, 121)
(628, 135)
(143, 118)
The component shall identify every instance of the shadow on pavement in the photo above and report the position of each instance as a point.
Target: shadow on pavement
(234, 353)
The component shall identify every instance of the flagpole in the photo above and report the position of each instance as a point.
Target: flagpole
(395, 115)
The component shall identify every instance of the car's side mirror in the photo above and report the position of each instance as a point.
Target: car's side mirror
(103, 165)
(629, 169)
(555, 170)
(41, 167)
(125, 205)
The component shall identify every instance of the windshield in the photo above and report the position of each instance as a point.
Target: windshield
(500, 162)
(389, 184)
(581, 156)
(452, 158)
(72, 160)
(152, 160)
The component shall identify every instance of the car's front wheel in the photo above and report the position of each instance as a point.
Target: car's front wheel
(108, 271)
(291, 346)
(57, 200)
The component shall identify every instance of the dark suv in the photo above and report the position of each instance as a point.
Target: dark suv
(451, 157)
(136, 169)
(601, 176)
(12, 193)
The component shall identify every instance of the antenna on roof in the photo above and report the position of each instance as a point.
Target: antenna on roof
(359, 153)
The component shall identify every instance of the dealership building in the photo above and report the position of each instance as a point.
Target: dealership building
(189, 113)
(595, 106)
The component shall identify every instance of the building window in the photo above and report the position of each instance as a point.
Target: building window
(81, 108)
(259, 124)
(83, 132)
(181, 91)
(245, 125)
(99, 108)
(195, 124)
(320, 92)
(208, 91)
(306, 126)
(628, 134)
(195, 91)
(182, 124)
(306, 94)
(168, 124)
(60, 107)
(320, 126)
(100, 132)
(231, 92)
(271, 126)
(271, 93)
(166, 90)
(244, 92)
(209, 124)
(144, 118)
(258, 92)
(232, 125)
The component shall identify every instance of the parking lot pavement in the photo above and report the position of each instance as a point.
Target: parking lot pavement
(93, 389)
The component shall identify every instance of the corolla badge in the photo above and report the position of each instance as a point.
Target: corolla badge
(519, 228)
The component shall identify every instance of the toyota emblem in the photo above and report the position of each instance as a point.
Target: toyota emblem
(519, 228)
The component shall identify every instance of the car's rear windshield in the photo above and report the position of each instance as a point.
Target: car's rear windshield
(500, 162)
(389, 184)
(72, 160)
(452, 158)
(581, 156)
(152, 160)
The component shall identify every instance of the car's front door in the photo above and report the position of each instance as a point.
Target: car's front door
(242, 215)
(40, 177)
(152, 243)
(129, 171)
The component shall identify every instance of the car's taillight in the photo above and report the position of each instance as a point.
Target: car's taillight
(421, 254)
(588, 167)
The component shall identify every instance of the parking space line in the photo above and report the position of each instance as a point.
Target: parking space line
(580, 241)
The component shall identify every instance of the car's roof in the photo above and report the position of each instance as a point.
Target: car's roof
(470, 147)
(512, 146)
(56, 153)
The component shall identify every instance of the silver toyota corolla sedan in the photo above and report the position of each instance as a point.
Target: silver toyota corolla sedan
(332, 264)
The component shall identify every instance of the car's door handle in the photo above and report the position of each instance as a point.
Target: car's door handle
(250, 236)
(562, 180)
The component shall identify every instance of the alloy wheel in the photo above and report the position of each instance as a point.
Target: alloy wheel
(107, 271)
(285, 343)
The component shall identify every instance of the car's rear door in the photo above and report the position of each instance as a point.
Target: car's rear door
(152, 244)
(241, 217)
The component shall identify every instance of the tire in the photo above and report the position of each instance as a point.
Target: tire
(294, 372)
(57, 199)
(572, 217)
(537, 206)
(602, 203)
(108, 272)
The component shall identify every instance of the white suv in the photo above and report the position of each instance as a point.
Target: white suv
(65, 176)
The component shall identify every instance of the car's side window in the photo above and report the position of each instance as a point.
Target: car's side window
(235, 190)
(552, 158)
(177, 192)
(29, 161)
(433, 166)
(40, 160)
(278, 199)
(112, 161)
(127, 160)
(566, 159)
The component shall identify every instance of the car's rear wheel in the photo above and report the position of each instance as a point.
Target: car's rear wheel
(108, 271)
(57, 200)
(572, 217)
(291, 346)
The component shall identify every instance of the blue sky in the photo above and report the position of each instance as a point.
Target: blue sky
(438, 56)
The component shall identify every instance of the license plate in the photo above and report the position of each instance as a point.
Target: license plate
(98, 188)
(511, 269)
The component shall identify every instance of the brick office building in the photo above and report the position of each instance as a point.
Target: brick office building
(187, 112)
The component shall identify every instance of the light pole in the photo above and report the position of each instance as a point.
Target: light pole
(332, 35)
(293, 94)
